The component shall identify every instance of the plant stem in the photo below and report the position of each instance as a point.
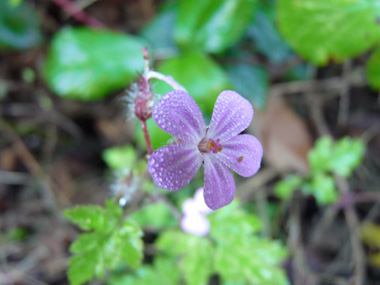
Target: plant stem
(147, 137)
(78, 14)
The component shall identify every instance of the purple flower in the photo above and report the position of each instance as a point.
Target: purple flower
(195, 210)
(219, 146)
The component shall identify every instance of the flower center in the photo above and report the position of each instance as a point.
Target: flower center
(210, 145)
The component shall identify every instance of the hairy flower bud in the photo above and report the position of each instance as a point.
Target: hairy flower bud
(143, 103)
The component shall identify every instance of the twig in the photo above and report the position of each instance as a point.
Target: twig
(344, 103)
(78, 14)
(354, 228)
(301, 273)
(34, 168)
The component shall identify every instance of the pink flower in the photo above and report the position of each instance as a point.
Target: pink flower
(195, 210)
(219, 146)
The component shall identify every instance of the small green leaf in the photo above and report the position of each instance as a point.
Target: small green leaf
(19, 26)
(323, 187)
(96, 252)
(85, 64)
(285, 188)
(347, 155)
(324, 30)
(91, 218)
(320, 154)
(341, 157)
(251, 260)
(232, 220)
(199, 74)
(120, 157)
(251, 82)
(212, 25)
(196, 252)
(163, 272)
(114, 208)
(373, 69)
(129, 244)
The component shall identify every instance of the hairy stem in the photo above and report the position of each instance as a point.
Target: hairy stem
(147, 137)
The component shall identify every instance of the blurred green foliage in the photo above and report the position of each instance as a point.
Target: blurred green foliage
(326, 158)
(255, 260)
(324, 30)
(19, 26)
(86, 64)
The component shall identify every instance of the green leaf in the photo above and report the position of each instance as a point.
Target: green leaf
(347, 155)
(251, 82)
(285, 188)
(232, 220)
(85, 64)
(163, 272)
(251, 260)
(341, 157)
(19, 26)
(196, 252)
(200, 75)
(155, 215)
(212, 25)
(120, 157)
(373, 69)
(91, 218)
(320, 155)
(98, 251)
(324, 30)
(323, 187)
(265, 36)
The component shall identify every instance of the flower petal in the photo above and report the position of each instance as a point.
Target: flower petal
(232, 115)
(196, 224)
(219, 189)
(242, 154)
(173, 166)
(200, 202)
(179, 115)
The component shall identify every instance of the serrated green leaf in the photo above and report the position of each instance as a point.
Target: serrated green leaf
(323, 188)
(196, 252)
(86, 64)
(129, 243)
(346, 156)
(81, 267)
(203, 78)
(212, 25)
(91, 218)
(324, 30)
(251, 260)
(232, 220)
(319, 156)
(120, 157)
(373, 69)
(341, 157)
(163, 272)
(19, 26)
(114, 208)
(98, 251)
(285, 188)
(251, 82)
